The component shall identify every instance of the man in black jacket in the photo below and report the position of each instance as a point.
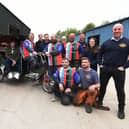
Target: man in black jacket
(42, 43)
(39, 44)
(113, 59)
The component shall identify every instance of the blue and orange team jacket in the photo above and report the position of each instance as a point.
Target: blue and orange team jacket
(73, 51)
(55, 59)
(27, 48)
(68, 77)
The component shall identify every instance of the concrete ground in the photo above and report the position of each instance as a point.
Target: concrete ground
(24, 105)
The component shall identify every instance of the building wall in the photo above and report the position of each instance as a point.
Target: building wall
(106, 31)
(7, 18)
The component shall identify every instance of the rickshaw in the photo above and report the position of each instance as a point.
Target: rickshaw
(40, 73)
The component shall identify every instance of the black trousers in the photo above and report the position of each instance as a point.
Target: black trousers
(32, 63)
(51, 71)
(119, 78)
(94, 67)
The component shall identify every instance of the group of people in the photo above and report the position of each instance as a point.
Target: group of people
(73, 66)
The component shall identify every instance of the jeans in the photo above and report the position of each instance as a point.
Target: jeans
(9, 67)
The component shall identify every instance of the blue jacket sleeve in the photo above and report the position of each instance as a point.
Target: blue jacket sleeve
(28, 47)
(56, 75)
(76, 78)
(59, 50)
(81, 51)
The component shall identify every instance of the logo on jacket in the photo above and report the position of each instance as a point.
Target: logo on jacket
(88, 76)
(122, 45)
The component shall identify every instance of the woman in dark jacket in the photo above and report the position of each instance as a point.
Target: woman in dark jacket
(92, 52)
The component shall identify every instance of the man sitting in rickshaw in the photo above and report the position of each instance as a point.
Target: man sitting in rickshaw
(12, 62)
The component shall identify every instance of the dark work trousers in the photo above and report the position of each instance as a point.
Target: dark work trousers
(119, 78)
(32, 62)
(56, 90)
(62, 95)
(94, 67)
(52, 70)
(9, 67)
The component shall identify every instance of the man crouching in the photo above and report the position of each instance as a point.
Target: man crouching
(88, 89)
(68, 79)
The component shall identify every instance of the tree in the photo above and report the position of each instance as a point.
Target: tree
(66, 32)
(105, 22)
(58, 33)
(89, 26)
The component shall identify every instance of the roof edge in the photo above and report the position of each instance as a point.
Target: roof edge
(116, 21)
(14, 15)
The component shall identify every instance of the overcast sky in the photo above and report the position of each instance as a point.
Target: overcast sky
(49, 16)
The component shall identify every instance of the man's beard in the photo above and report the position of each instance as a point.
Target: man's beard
(82, 41)
(71, 40)
(65, 67)
(54, 41)
(86, 67)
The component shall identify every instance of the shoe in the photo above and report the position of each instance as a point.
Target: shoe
(17, 75)
(100, 103)
(121, 115)
(10, 75)
(2, 67)
(88, 108)
(30, 75)
(54, 99)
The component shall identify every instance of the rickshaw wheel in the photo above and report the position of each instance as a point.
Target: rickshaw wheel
(46, 83)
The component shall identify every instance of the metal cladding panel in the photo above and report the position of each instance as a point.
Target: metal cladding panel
(7, 19)
(126, 28)
(106, 31)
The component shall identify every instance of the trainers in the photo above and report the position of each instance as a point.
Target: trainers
(10, 75)
(121, 115)
(88, 108)
(2, 67)
(17, 75)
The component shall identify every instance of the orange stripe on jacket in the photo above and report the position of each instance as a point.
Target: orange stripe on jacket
(26, 53)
